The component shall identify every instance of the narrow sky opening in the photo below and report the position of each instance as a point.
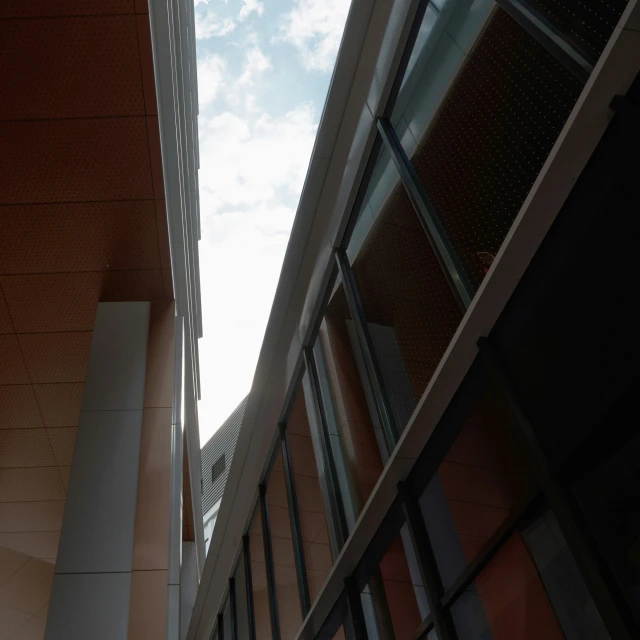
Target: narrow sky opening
(264, 68)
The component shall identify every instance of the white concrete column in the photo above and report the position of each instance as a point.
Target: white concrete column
(92, 583)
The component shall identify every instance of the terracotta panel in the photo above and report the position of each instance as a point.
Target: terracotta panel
(146, 61)
(156, 157)
(34, 628)
(6, 326)
(60, 403)
(65, 475)
(10, 562)
(158, 390)
(56, 357)
(142, 6)
(167, 279)
(38, 544)
(75, 160)
(25, 448)
(79, 236)
(148, 610)
(124, 286)
(51, 8)
(63, 440)
(77, 67)
(13, 370)
(31, 516)
(151, 540)
(19, 408)
(11, 620)
(37, 483)
(163, 234)
(29, 588)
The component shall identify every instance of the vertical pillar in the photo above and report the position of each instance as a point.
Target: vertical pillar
(93, 577)
(152, 540)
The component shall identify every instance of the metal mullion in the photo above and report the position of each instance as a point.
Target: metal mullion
(374, 381)
(233, 608)
(355, 609)
(333, 487)
(423, 629)
(490, 549)
(269, 566)
(547, 36)
(248, 579)
(426, 562)
(454, 272)
(296, 528)
(560, 503)
(220, 627)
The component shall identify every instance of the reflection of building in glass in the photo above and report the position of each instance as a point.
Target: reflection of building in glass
(217, 455)
(435, 443)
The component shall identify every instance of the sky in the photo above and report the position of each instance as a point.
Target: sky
(264, 68)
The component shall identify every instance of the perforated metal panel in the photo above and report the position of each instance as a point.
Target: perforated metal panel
(64, 55)
(587, 23)
(61, 8)
(491, 137)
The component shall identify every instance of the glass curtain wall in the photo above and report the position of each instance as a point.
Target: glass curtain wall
(259, 579)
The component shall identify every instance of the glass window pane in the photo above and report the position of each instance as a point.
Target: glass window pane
(311, 509)
(410, 308)
(405, 595)
(480, 153)
(482, 478)
(259, 579)
(284, 563)
(226, 620)
(588, 25)
(610, 497)
(241, 600)
(351, 414)
(531, 589)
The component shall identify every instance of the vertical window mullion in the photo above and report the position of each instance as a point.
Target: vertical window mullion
(374, 378)
(339, 518)
(559, 502)
(220, 627)
(296, 528)
(269, 565)
(358, 624)
(233, 609)
(426, 562)
(454, 272)
(246, 555)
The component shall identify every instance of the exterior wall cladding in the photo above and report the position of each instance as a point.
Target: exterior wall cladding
(436, 442)
(223, 441)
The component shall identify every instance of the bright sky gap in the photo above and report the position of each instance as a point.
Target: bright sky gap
(264, 68)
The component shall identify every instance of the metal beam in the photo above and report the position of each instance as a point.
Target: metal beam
(233, 608)
(268, 560)
(296, 528)
(220, 627)
(355, 609)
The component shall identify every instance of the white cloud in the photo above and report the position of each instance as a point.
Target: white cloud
(211, 72)
(249, 7)
(256, 63)
(209, 25)
(315, 28)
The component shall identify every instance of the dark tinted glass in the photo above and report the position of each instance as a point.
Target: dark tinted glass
(482, 478)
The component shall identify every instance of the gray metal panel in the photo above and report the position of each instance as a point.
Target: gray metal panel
(118, 361)
(100, 512)
(92, 606)
(222, 441)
